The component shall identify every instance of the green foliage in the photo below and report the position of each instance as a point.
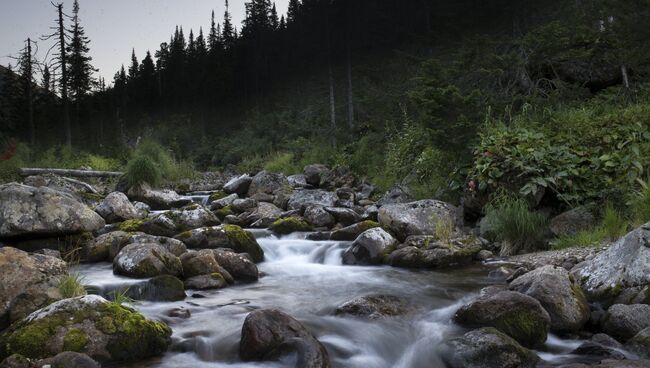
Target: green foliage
(282, 163)
(640, 205)
(614, 225)
(120, 297)
(581, 239)
(580, 154)
(71, 285)
(151, 163)
(511, 221)
(444, 229)
(141, 169)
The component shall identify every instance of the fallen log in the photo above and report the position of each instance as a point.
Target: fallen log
(66, 172)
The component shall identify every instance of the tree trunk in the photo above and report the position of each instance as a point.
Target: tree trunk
(30, 92)
(66, 172)
(626, 80)
(64, 80)
(331, 83)
(350, 93)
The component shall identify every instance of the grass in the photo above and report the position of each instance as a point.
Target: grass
(444, 230)
(613, 225)
(640, 206)
(121, 296)
(151, 163)
(71, 285)
(513, 223)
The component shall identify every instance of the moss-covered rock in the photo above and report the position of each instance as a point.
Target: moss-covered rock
(217, 196)
(517, 315)
(290, 225)
(351, 232)
(224, 236)
(131, 225)
(142, 260)
(106, 331)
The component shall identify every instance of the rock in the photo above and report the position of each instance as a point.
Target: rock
(206, 282)
(339, 177)
(416, 218)
(353, 231)
(626, 263)
(346, 199)
(640, 344)
(202, 262)
(559, 294)
(224, 236)
(79, 190)
(625, 321)
(616, 364)
(298, 181)
(572, 221)
(271, 334)
(367, 190)
(600, 345)
(223, 202)
(29, 282)
(269, 183)
(374, 307)
(105, 247)
(489, 348)
(39, 212)
(369, 248)
(142, 208)
(163, 288)
(239, 266)
(517, 315)
(157, 199)
(174, 222)
(314, 174)
(345, 216)
(238, 185)
(69, 359)
(319, 236)
(484, 255)
(146, 260)
(49, 252)
(426, 252)
(300, 199)
(318, 217)
(91, 325)
(16, 361)
(179, 312)
(116, 207)
(264, 215)
(289, 225)
(395, 195)
(243, 204)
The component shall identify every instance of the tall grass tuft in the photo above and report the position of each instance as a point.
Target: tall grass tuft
(71, 285)
(121, 296)
(151, 163)
(641, 206)
(513, 223)
(614, 225)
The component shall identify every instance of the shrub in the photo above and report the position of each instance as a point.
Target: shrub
(141, 169)
(512, 222)
(151, 163)
(71, 285)
(282, 163)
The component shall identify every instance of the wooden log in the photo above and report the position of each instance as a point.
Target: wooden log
(65, 172)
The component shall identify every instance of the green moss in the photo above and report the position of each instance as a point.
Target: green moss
(92, 196)
(31, 340)
(524, 327)
(131, 225)
(289, 225)
(217, 196)
(243, 241)
(223, 212)
(75, 340)
(184, 235)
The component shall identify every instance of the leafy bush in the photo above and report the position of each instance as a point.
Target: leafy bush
(71, 285)
(511, 221)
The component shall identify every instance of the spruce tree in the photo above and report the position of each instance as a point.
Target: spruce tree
(134, 68)
(228, 32)
(292, 12)
(213, 36)
(79, 59)
(275, 21)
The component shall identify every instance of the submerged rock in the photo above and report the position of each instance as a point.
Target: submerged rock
(141, 260)
(224, 236)
(270, 334)
(163, 288)
(206, 282)
(91, 325)
(489, 348)
(416, 218)
(560, 296)
(517, 315)
(39, 212)
(369, 247)
(374, 307)
(28, 282)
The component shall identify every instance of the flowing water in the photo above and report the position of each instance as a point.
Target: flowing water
(307, 280)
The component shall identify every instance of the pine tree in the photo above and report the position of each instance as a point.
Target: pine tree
(228, 33)
(26, 72)
(79, 59)
(275, 21)
(46, 80)
(213, 36)
(134, 68)
(292, 12)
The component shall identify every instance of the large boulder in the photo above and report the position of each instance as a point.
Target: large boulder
(301, 199)
(572, 221)
(624, 264)
(489, 348)
(163, 288)
(369, 248)
(91, 325)
(202, 262)
(395, 195)
(116, 207)
(238, 185)
(559, 294)
(374, 307)
(265, 182)
(238, 265)
(424, 251)
(28, 282)
(271, 334)
(157, 199)
(345, 216)
(318, 217)
(625, 321)
(206, 282)
(298, 181)
(315, 173)
(416, 218)
(353, 231)
(174, 222)
(517, 315)
(224, 236)
(264, 215)
(39, 212)
(290, 225)
(141, 260)
(106, 246)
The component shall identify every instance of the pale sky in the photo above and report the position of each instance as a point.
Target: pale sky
(113, 26)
